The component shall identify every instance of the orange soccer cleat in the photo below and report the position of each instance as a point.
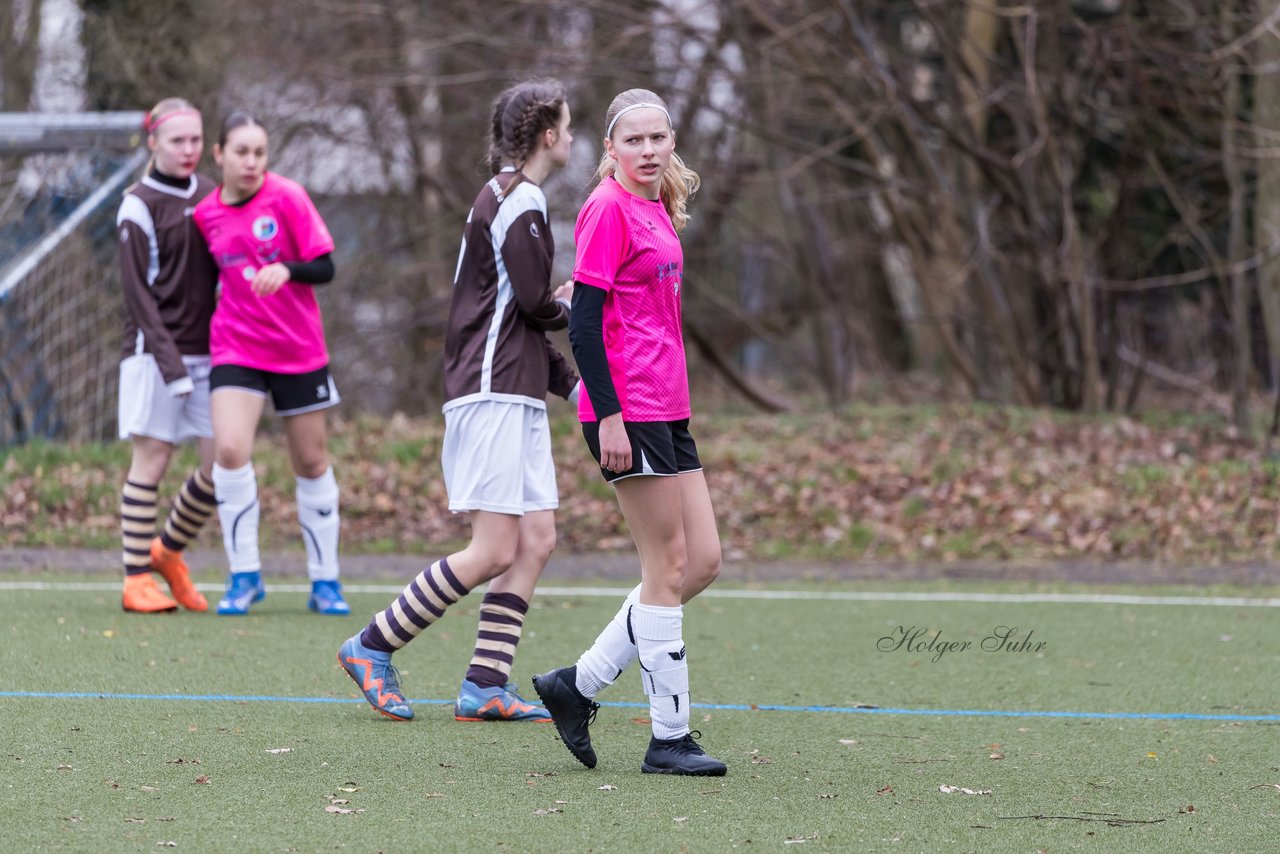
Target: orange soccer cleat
(174, 569)
(143, 596)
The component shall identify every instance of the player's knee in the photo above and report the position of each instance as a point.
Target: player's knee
(309, 457)
(704, 567)
(231, 454)
(147, 469)
(495, 558)
(312, 468)
(541, 543)
(670, 576)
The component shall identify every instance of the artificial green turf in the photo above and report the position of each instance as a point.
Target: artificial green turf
(829, 781)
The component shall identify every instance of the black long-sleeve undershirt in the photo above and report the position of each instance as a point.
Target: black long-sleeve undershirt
(586, 334)
(319, 271)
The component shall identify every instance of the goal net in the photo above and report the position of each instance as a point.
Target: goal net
(60, 304)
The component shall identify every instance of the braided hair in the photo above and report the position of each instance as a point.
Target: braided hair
(520, 116)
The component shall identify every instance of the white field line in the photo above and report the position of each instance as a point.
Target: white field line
(767, 594)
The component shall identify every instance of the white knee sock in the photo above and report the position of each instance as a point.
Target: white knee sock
(612, 653)
(318, 516)
(659, 640)
(237, 496)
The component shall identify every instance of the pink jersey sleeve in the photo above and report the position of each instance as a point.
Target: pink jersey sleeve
(601, 237)
(309, 232)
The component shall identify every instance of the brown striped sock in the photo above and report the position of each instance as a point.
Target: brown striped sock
(423, 602)
(191, 509)
(137, 525)
(501, 620)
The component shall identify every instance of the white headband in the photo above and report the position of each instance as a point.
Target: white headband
(608, 132)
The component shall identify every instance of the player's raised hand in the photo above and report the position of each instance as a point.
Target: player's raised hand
(270, 279)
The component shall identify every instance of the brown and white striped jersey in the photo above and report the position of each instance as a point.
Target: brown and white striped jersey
(167, 273)
(495, 343)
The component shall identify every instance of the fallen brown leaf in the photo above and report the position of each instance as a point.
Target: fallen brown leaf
(337, 810)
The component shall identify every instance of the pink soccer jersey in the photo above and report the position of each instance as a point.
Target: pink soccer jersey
(628, 248)
(282, 333)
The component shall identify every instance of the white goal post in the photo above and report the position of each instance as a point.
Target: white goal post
(27, 133)
(60, 302)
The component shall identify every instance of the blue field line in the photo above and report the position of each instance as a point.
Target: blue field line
(720, 707)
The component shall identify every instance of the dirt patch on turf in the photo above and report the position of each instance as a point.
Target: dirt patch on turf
(623, 566)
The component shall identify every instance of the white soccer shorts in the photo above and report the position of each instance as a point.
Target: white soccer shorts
(148, 409)
(497, 457)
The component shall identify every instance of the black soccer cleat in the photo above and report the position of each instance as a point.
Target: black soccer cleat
(681, 756)
(571, 712)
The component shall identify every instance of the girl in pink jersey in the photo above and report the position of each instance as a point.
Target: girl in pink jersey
(498, 368)
(634, 407)
(267, 340)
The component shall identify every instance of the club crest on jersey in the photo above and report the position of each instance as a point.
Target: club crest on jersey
(265, 227)
(533, 229)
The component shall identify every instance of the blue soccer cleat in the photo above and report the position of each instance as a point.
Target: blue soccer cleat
(243, 589)
(495, 704)
(326, 598)
(377, 678)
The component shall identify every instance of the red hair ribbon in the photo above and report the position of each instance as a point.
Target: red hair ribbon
(150, 124)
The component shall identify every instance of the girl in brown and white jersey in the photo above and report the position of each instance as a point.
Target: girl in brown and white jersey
(168, 280)
(498, 368)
